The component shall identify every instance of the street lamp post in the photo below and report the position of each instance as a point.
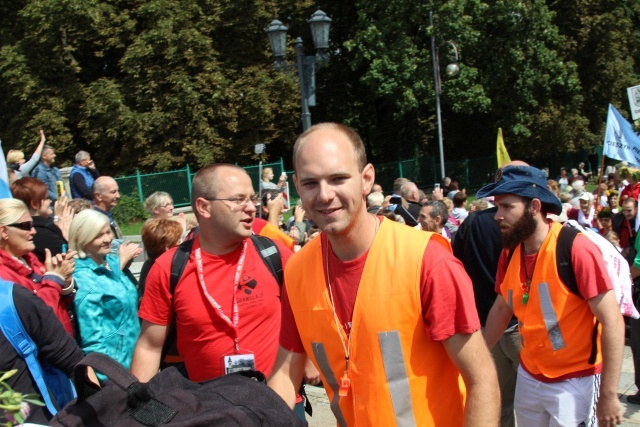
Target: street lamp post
(452, 70)
(306, 66)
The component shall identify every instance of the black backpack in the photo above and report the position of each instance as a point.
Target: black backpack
(169, 399)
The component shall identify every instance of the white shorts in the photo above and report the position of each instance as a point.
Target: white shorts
(570, 402)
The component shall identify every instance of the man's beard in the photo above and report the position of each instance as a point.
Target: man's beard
(521, 230)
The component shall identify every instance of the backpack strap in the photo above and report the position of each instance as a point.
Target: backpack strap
(15, 333)
(563, 258)
(178, 263)
(270, 255)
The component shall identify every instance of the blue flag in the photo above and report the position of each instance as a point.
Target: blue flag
(5, 193)
(620, 141)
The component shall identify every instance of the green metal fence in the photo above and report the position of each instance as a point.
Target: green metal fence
(178, 182)
(142, 185)
(470, 173)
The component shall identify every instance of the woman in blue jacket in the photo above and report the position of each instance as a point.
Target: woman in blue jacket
(106, 302)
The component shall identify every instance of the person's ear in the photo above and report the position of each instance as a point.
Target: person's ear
(368, 178)
(536, 207)
(203, 207)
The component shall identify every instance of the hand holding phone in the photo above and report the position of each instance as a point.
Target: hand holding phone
(59, 188)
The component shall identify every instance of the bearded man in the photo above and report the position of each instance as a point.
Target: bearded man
(572, 339)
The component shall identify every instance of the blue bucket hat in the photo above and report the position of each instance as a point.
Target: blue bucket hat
(523, 181)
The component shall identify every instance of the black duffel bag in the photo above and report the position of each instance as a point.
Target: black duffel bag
(170, 399)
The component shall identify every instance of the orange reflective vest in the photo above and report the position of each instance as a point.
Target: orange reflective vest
(558, 332)
(266, 229)
(399, 376)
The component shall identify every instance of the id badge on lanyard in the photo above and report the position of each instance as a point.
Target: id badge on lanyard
(237, 361)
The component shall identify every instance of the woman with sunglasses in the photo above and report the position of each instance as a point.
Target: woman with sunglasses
(106, 304)
(52, 232)
(51, 280)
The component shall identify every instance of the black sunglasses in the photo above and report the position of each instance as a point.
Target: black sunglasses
(26, 226)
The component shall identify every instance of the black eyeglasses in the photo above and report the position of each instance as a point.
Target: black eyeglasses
(239, 201)
(25, 226)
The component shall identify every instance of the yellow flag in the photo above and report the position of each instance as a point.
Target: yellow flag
(501, 152)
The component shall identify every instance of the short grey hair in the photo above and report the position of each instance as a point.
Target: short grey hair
(85, 227)
(81, 156)
(438, 208)
(407, 189)
(375, 199)
(398, 183)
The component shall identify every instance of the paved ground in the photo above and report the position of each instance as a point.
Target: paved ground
(322, 416)
(626, 387)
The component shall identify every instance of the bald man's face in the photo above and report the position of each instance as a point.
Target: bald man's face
(110, 195)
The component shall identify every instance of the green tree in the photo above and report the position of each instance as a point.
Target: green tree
(603, 39)
(148, 85)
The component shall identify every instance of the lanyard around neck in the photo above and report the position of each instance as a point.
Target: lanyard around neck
(231, 322)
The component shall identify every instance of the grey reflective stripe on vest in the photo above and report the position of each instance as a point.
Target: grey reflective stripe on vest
(323, 363)
(510, 299)
(550, 318)
(397, 380)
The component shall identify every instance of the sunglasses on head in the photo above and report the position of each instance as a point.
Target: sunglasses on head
(25, 226)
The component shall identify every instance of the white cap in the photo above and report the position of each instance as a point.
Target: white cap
(586, 196)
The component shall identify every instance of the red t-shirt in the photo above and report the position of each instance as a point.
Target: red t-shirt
(448, 305)
(204, 338)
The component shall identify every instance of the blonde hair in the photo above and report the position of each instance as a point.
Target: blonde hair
(627, 172)
(156, 200)
(449, 203)
(480, 204)
(14, 156)
(265, 172)
(11, 210)
(613, 237)
(79, 205)
(85, 227)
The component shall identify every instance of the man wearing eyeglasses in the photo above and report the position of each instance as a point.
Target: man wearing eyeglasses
(227, 303)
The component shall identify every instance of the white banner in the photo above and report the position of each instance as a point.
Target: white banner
(634, 101)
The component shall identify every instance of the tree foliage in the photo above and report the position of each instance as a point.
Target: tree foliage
(144, 84)
(153, 84)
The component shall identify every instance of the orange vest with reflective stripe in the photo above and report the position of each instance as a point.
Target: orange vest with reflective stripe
(399, 376)
(556, 326)
(266, 229)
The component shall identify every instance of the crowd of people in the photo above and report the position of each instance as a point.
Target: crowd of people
(409, 308)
